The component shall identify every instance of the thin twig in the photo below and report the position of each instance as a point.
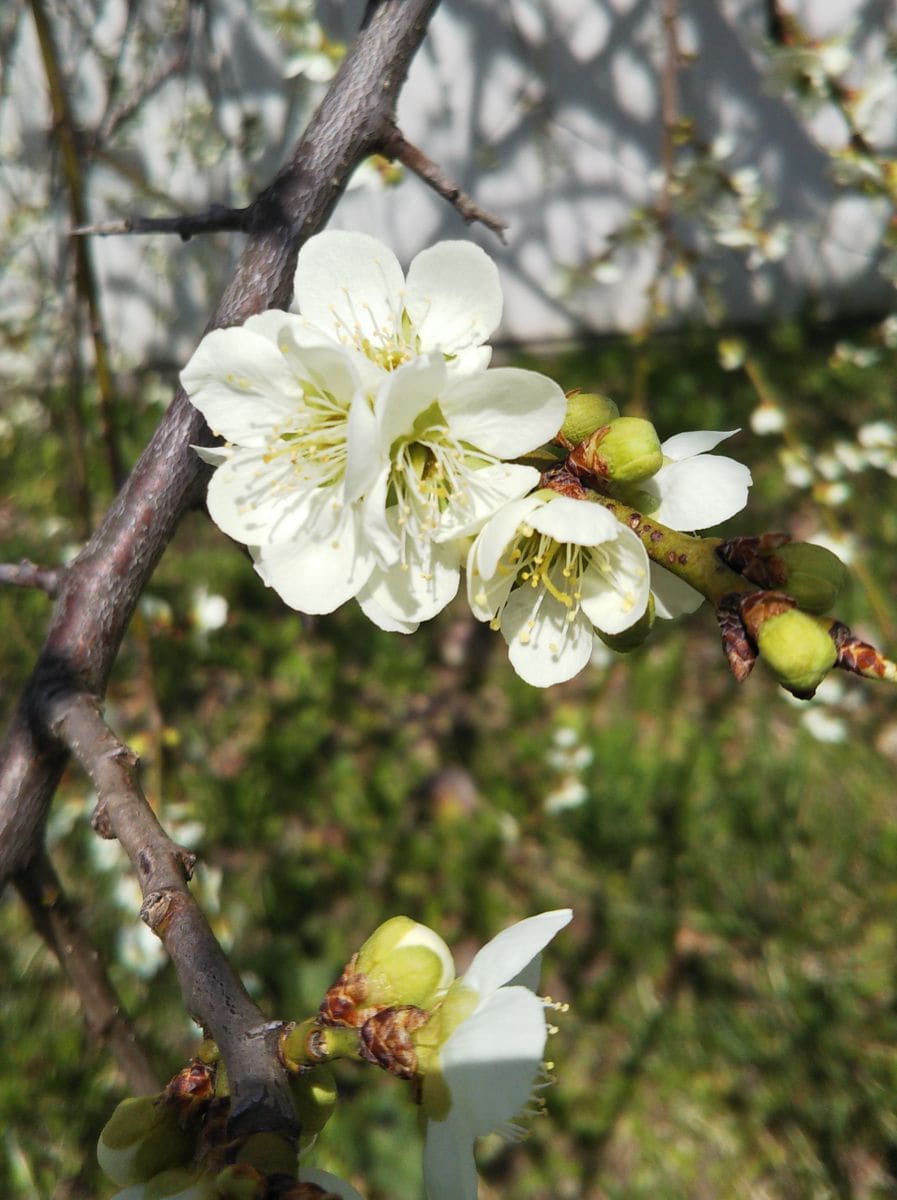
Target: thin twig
(55, 919)
(28, 574)
(213, 993)
(85, 277)
(215, 219)
(395, 146)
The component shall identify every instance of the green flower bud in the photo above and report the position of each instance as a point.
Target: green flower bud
(586, 412)
(270, 1153)
(626, 451)
(314, 1091)
(405, 963)
(813, 575)
(633, 637)
(798, 649)
(141, 1138)
(240, 1181)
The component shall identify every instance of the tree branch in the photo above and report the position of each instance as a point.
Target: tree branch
(102, 586)
(395, 146)
(56, 921)
(215, 219)
(29, 574)
(213, 993)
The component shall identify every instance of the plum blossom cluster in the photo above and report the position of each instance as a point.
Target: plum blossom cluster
(372, 453)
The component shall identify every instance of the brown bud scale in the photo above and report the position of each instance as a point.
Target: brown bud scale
(740, 652)
(386, 1039)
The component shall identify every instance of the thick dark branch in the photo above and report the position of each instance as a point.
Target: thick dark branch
(216, 219)
(56, 921)
(213, 993)
(28, 574)
(395, 146)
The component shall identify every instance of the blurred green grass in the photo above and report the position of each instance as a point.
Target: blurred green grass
(731, 968)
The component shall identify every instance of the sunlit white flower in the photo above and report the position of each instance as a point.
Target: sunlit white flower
(692, 490)
(767, 419)
(351, 288)
(547, 570)
(481, 1053)
(281, 396)
(427, 458)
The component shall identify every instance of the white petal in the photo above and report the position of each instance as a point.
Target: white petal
(580, 522)
(329, 1183)
(673, 597)
(699, 492)
(378, 616)
(487, 594)
(544, 647)
(614, 597)
(453, 296)
(419, 588)
(351, 286)
(697, 441)
(449, 1169)
(491, 1060)
(365, 457)
(510, 951)
(328, 369)
(486, 491)
(501, 529)
(407, 393)
(317, 574)
(241, 384)
(506, 411)
(257, 501)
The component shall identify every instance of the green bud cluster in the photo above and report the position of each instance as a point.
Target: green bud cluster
(626, 451)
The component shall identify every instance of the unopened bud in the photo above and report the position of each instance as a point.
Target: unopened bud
(405, 962)
(813, 575)
(586, 412)
(798, 649)
(633, 637)
(270, 1153)
(240, 1181)
(626, 451)
(141, 1138)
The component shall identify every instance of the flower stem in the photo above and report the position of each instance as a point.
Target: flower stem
(693, 559)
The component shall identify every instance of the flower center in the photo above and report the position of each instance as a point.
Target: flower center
(431, 472)
(314, 441)
(553, 568)
(388, 345)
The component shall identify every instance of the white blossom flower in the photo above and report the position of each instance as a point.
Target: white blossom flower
(481, 1053)
(351, 288)
(692, 490)
(281, 396)
(546, 570)
(427, 458)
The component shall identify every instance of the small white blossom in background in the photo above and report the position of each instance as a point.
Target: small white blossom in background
(208, 611)
(547, 570)
(569, 758)
(842, 544)
(795, 464)
(481, 1054)
(767, 419)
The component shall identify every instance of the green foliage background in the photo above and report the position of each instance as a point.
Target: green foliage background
(731, 967)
